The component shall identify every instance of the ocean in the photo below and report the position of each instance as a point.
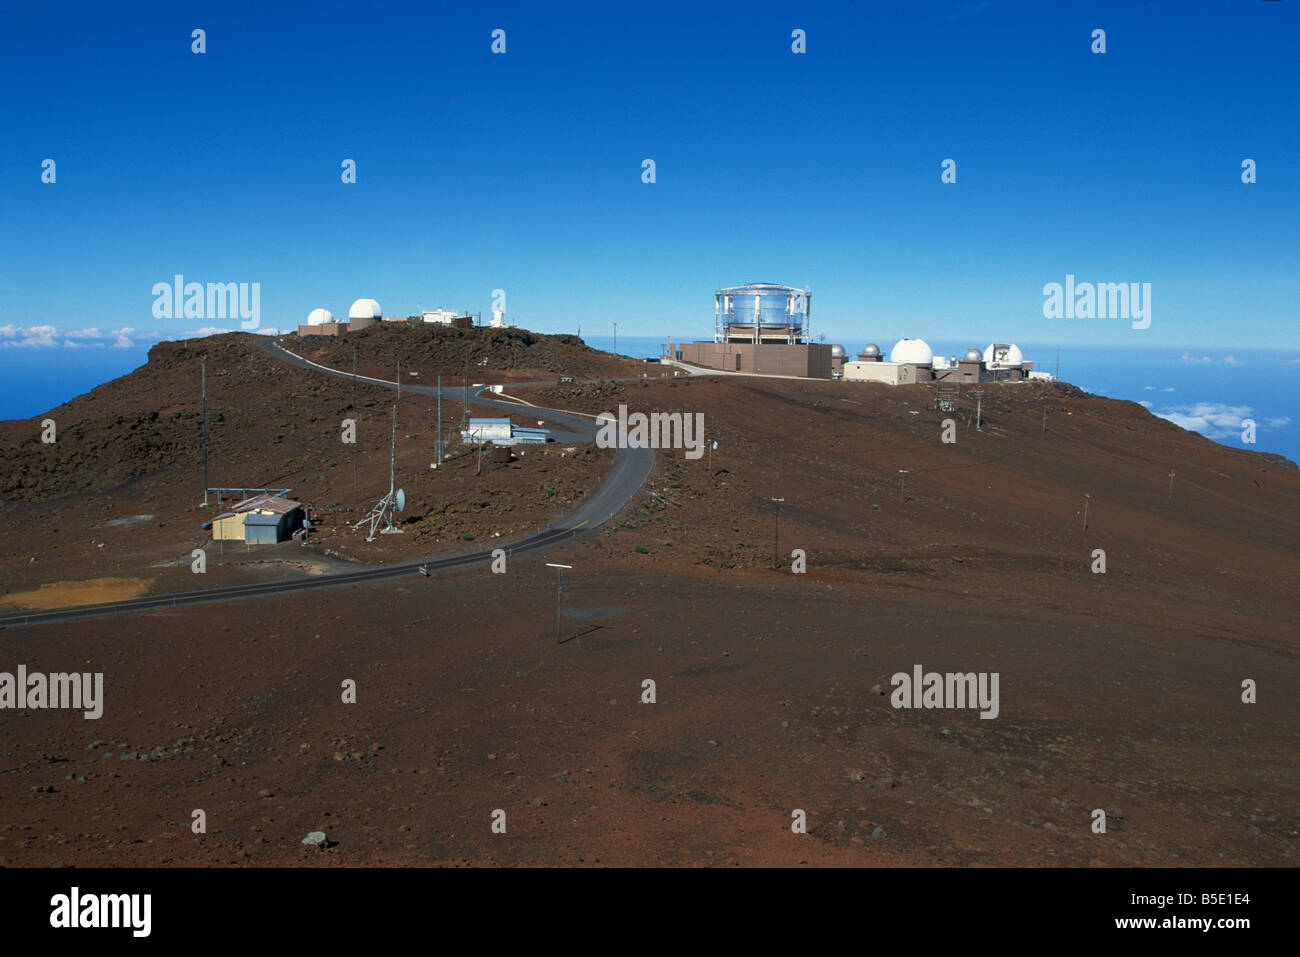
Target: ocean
(1209, 391)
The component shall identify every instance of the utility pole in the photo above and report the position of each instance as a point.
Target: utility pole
(1044, 421)
(440, 420)
(464, 416)
(354, 412)
(979, 409)
(203, 371)
(1087, 500)
(558, 573)
(902, 488)
(1171, 486)
(616, 338)
(776, 534)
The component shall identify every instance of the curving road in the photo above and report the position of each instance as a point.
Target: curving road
(631, 468)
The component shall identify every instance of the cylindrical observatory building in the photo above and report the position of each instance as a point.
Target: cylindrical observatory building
(761, 313)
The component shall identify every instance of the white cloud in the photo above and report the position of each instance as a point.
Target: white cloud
(11, 330)
(1192, 360)
(1231, 360)
(1149, 388)
(91, 333)
(1170, 389)
(204, 331)
(1215, 420)
(35, 337)
(1144, 402)
(122, 342)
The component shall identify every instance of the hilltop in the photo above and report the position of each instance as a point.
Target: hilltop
(505, 354)
(1121, 689)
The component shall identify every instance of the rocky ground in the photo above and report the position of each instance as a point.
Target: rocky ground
(1120, 691)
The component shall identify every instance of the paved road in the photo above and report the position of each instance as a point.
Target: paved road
(631, 468)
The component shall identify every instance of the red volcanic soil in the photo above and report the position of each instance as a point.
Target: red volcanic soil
(483, 353)
(1120, 691)
(120, 493)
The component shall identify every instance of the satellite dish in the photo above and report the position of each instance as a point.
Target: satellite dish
(399, 501)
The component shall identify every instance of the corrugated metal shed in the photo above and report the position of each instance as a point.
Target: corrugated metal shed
(525, 436)
(486, 430)
(266, 528)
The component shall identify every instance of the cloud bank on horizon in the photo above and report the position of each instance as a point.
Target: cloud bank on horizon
(51, 337)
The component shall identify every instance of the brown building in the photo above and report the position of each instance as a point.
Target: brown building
(807, 361)
(323, 329)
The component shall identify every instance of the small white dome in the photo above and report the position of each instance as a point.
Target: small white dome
(915, 351)
(1001, 355)
(870, 349)
(365, 309)
(318, 317)
(972, 355)
(837, 351)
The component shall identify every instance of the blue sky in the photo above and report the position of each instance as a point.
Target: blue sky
(522, 171)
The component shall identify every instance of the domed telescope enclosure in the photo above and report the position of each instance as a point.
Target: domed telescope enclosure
(762, 312)
(1003, 355)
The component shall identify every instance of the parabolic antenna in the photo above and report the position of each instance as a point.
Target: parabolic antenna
(399, 502)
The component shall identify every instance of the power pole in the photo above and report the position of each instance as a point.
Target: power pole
(1171, 486)
(616, 338)
(558, 573)
(979, 408)
(440, 420)
(204, 376)
(464, 416)
(776, 534)
(1087, 500)
(354, 412)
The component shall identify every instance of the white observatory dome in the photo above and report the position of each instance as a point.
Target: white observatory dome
(915, 351)
(837, 351)
(972, 355)
(870, 349)
(365, 309)
(1000, 355)
(318, 317)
